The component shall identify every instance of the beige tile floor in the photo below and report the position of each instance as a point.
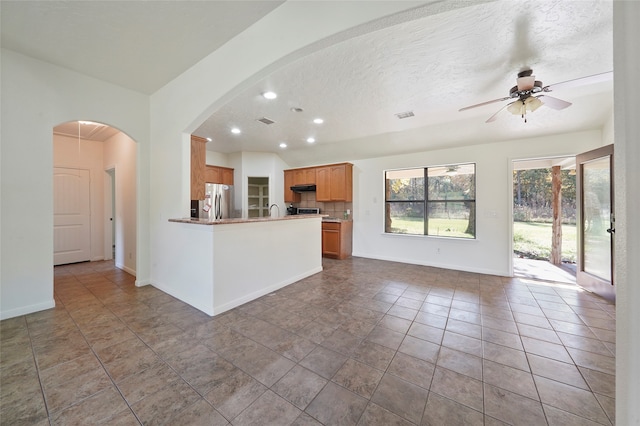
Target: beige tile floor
(364, 342)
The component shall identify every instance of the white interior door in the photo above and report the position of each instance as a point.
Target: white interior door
(71, 216)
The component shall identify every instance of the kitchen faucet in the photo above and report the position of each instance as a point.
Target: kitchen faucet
(277, 208)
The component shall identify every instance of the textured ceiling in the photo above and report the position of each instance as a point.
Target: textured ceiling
(433, 66)
(432, 61)
(140, 45)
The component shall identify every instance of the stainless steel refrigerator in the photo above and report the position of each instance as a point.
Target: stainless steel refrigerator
(217, 203)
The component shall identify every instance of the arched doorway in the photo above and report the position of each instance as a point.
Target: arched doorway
(94, 194)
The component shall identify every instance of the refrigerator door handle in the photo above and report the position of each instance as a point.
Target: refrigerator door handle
(219, 206)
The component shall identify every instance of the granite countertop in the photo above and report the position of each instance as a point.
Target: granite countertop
(336, 219)
(241, 219)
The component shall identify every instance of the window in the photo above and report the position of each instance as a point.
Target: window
(438, 201)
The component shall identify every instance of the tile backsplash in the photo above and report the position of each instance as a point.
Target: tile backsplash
(333, 208)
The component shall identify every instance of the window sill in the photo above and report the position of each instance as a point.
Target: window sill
(438, 237)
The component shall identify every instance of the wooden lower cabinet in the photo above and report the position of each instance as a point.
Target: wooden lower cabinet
(337, 239)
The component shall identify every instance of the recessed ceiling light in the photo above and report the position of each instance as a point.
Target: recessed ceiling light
(311, 140)
(235, 131)
(269, 95)
(296, 109)
(318, 120)
(283, 145)
(209, 140)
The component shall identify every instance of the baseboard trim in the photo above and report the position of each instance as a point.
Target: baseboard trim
(211, 309)
(262, 292)
(127, 269)
(25, 310)
(142, 283)
(434, 265)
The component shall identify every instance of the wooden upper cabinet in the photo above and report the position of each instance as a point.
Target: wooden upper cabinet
(342, 182)
(198, 167)
(217, 174)
(227, 175)
(304, 176)
(334, 182)
(323, 184)
(212, 174)
(289, 195)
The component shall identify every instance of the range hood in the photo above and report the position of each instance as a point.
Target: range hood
(303, 188)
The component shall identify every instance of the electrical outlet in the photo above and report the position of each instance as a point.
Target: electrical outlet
(438, 250)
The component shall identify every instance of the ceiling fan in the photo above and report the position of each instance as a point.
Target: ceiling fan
(529, 94)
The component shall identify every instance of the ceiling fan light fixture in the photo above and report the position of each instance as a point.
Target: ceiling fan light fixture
(516, 108)
(532, 103)
(526, 83)
(521, 106)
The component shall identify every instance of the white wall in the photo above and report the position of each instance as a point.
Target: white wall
(120, 154)
(217, 159)
(86, 154)
(490, 252)
(626, 60)
(608, 134)
(37, 96)
(281, 37)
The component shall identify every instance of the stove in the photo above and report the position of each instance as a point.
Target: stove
(308, 210)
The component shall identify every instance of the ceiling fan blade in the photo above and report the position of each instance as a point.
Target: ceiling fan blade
(592, 79)
(484, 103)
(554, 103)
(494, 117)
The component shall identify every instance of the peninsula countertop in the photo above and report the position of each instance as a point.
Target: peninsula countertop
(195, 221)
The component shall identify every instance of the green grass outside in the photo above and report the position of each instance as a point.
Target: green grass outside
(437, 227)
(532, 240)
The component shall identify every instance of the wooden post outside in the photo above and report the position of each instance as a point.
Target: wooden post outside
(556, 203)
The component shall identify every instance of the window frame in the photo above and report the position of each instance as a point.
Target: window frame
(427, 202)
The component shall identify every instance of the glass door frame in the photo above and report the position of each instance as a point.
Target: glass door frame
(591, 282)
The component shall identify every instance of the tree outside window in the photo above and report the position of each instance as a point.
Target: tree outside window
(437, 201)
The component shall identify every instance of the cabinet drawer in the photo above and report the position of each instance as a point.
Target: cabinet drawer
(330, 226)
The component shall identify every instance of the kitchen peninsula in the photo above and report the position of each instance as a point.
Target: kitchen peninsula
(234, 261)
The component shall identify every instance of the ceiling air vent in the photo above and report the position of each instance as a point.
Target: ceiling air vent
(266, 120)
(406, 114)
